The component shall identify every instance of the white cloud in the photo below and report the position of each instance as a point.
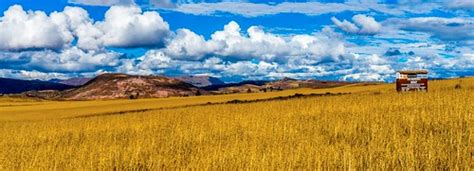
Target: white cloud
(363, 77)
(214, 63)
(21, 30)
(127, 26)
(75, 22)
(188, 45)
(155, 59)
(365, 25)
(22, 33)
(249, 69)
(368, 24)
(124, 26)
(368, 68)
(31, 75)
(67, 60)
(345, 25)
(231, 44)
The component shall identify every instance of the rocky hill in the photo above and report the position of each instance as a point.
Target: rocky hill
(112, 86)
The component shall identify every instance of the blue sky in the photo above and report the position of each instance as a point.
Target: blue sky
(365, 40)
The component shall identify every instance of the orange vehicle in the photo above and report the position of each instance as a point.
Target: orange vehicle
(412, 80)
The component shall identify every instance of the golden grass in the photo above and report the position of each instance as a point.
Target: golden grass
(372, 128)
(30, 109)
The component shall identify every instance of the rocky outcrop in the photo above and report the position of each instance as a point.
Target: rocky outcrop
(113, 86)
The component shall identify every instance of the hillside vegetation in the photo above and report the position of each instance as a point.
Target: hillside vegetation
(372, 128)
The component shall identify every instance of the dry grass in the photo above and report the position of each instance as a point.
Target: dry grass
(375, 129)
(14, 109)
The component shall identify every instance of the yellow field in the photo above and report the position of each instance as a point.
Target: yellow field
(372, 128)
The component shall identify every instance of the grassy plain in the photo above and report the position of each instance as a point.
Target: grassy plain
(372, 128)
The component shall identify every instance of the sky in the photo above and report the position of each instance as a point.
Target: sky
(235, 40)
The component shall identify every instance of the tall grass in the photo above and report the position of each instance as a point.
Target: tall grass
(358, 131)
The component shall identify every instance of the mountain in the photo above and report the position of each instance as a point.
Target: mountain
(10, 86)
(249, 82)
(112, 86)
(201, 81)
(72, 81)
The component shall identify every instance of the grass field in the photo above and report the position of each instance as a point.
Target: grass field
(372, 128)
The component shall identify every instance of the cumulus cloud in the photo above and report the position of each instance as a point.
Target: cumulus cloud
(127, 26)
(74, 60)
(345, 25)
(21, 30)
(155, 59)
(188, 45)
(123, 26)
(368, 68)
(249, 69)
(31, 75)
(231, 44)
(363, 25)
(67, 60)
(45, 76)
(75, 21)
(363, 77)
(368, 24)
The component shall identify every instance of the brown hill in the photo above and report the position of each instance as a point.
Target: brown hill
(112, 86)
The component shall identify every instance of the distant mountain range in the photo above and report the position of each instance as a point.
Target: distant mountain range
(112, 86)
(8, 86)
(201, 81)
(248, 82)
(72, 81)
